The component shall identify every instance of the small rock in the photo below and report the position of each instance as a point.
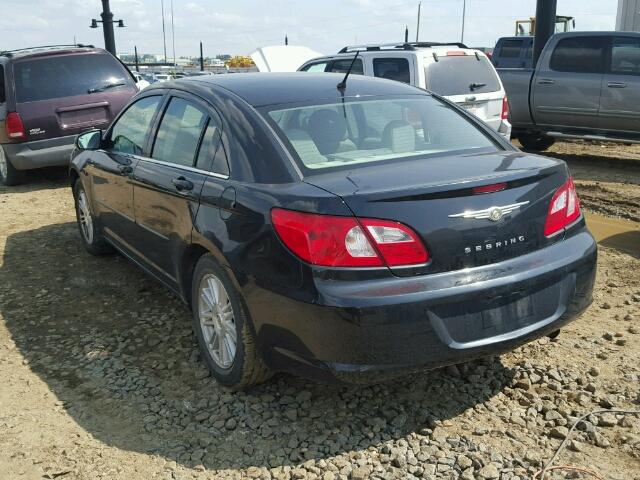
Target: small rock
(489, 472)
(231, 424)
(606, 306)
(559, 432)
(594, 371)
(607, 420)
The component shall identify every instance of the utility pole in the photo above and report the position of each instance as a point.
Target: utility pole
(418, 26)
(545, 26)
(201, 59)
(286, 39)
(164, 36)
(406, 34)
(173, 36)
(135, 53)
(464, 14)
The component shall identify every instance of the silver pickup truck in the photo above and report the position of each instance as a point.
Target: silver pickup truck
(586, 85)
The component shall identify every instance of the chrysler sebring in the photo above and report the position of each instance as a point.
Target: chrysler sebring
(344, 230)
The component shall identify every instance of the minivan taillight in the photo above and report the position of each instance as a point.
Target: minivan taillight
(564, 208)
(333, 241)
(14, 126)
(505, 108)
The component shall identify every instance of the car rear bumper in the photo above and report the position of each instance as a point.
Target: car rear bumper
(364, 330)
(40, 153)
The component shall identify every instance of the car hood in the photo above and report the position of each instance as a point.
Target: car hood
(282, 58)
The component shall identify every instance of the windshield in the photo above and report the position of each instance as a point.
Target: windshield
(461, 75)
(336, 135)
(67, 75)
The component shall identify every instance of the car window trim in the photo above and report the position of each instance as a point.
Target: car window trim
(184, 167)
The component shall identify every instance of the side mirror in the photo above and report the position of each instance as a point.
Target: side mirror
(90, 140)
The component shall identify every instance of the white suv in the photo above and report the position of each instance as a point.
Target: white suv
(460, 74)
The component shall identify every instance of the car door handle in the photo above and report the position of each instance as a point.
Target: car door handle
(546, 81)
(182, 184)
(125, 169)
(616, 85)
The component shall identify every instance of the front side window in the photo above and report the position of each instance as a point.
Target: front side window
(337, 135)
(179, 133)
(625, 56)
(129, 133)
(68, 75)
(578, 55)
(461, 75)
(342, 66)
(392, 69)
(315, 67)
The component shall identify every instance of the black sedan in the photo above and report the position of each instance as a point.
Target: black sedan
(341, 231)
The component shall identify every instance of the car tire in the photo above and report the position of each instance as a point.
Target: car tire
(92, 239)
(9, 175)
(219, 318)
(535, 142)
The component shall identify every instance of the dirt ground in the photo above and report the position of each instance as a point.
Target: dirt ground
(100, 376)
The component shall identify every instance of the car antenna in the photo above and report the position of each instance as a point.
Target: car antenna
(343, 84)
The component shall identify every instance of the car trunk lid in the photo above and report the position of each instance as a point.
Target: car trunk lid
(436, 198)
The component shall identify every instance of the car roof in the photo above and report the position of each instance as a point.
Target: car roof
(261, 88)
(49, 50)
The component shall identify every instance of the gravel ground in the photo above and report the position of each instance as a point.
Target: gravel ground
(101, 377)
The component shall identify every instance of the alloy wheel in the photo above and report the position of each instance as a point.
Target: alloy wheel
(217, 321)
(84, 214)
(3, 164)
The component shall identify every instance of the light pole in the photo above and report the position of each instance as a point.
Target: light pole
(418, 26)
(164, 35)
(173, 36)
(107, 27)
(464, 14)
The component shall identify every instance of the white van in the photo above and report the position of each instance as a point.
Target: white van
(460, 74)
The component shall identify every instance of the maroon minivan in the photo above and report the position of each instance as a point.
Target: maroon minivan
(48, 95)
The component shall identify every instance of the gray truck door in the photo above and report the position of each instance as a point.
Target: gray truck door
(567, 84)
(620, 98)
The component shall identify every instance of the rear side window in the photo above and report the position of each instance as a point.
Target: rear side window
(461, 75)
(625, 56)
(392, 69)
(511, 49)
(211, 155)
(2, 90)
(315, 67)
(578, 55)
(67, 76)
(129, 133)
(342, 66)
(179, 133)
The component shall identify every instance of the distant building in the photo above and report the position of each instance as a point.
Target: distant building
(628, 18)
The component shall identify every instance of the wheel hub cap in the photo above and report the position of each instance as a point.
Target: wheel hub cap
(217, 321)
(84, 215)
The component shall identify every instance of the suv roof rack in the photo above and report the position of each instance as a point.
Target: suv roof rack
(375, 47)
(25, 51)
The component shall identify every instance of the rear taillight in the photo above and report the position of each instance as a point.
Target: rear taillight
(505, 109)
(14, 126)
(564, 208)
(333, 241)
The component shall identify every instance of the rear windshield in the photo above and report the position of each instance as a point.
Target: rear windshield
(461, 75)
(68, 75)
(337, 135)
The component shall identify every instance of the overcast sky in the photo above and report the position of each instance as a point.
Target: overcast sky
(239, 26)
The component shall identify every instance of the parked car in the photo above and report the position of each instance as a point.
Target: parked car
(141, 82)
(339, 233)
(513, 52)
(460, 74)
(50, 94)
(586, 85)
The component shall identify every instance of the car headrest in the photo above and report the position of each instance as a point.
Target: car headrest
(327, 128)
(399, 136)
(305, 147)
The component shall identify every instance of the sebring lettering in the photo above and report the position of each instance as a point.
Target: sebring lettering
(495, 245)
